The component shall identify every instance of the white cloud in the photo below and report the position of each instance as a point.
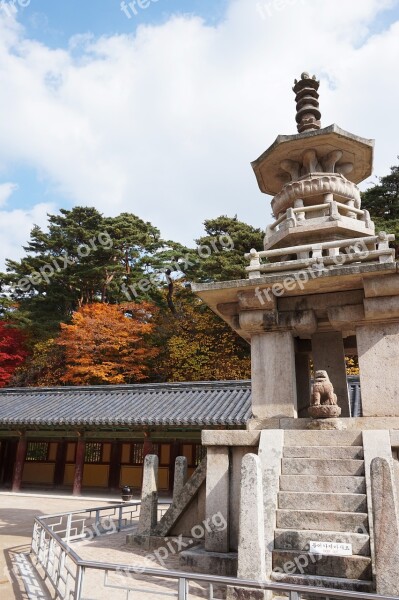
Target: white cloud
(15, 226)
(6, 189)
(165, 123)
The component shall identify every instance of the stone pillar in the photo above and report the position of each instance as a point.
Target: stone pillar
(217, 498)
(237, 455)
(378, 350)
(149, 496)
(376, 444)
(251, 551)
(79, 466)
(303, 387)
(329, 355)
(386, 528)
(180, 477)
(19, 464)
(271, 446)
(273, 375)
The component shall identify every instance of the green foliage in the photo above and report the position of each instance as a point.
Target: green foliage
(382, 200)
(228, 239)
(81, 259)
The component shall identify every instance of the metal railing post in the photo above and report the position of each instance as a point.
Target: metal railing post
(120, 518)
(80, 571)
(68, 528)
(182, 592)
(295, 596)
(97, 523)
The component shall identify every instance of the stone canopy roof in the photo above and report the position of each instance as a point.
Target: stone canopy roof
(189, 404)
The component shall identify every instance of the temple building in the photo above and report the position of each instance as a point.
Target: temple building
(95, 439)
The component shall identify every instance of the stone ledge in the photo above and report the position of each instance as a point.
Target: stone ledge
(352, 424)
(230, 438)
(198, 560)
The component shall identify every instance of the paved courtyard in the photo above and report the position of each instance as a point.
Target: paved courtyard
(17, 514)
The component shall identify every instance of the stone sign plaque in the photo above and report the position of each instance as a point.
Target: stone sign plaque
(330, 548)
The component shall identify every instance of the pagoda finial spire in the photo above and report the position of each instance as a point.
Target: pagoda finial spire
(307, 103)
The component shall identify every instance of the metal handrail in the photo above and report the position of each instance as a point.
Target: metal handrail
(181, 577)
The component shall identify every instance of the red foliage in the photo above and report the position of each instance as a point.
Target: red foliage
(12, 351)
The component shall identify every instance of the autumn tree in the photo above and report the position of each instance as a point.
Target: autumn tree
(44, 367)
(83, 258)
(108, 344)
(12, 351)
(196, 345)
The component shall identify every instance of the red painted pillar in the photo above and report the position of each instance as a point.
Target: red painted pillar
(19, 464)
(79, 466)
(148, 447)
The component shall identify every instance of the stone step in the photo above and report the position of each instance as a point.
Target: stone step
(289, 539)
(301, 437)
(328, 452)
(319, 501)
(350, 585)
(323, 467)
(322, 521)
(312, 483)
(294, 562)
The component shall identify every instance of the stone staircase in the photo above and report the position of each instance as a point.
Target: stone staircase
(322, 498)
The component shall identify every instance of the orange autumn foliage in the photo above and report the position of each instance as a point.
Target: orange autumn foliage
(107, 344)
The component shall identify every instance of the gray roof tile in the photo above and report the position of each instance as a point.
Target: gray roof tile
(175, 404)
(198, 404)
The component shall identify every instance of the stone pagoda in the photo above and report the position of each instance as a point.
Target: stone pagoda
(308, 501)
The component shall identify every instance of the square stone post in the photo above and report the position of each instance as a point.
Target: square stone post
(378, 349)
(271, 447)
(149, 496)
(180, 477)
(273, 375)
(217, 498)
(329, 355)
(251, 551)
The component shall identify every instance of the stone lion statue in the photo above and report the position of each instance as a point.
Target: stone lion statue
(323, 391)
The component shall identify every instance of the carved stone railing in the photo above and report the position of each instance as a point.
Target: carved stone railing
(332, 210)
(319, 185)
(323, 255)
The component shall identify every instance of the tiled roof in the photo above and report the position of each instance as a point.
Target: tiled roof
(198, 404)
(173, 404)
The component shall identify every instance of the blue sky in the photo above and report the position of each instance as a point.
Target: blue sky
(55, 21)
(161, 114)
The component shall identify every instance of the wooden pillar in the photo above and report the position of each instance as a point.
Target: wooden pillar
(148, 447)
(9, 462)
(79, 466)
(19, 463)
(60, 463)
(3, 446)
(115, 466)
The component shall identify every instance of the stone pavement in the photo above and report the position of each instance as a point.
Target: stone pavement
(17, 513)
